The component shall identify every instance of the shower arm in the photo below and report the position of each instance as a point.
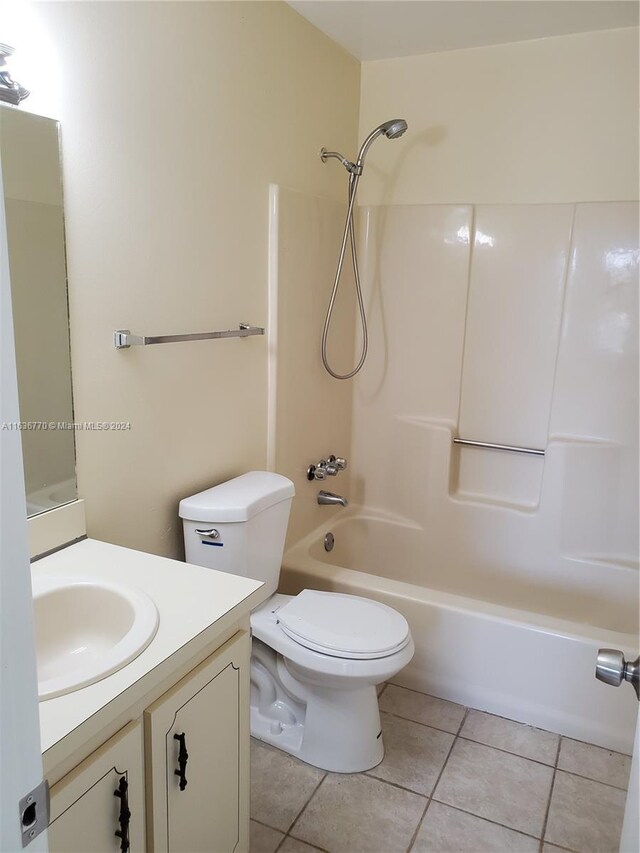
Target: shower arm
(357, 167)
(352, 168)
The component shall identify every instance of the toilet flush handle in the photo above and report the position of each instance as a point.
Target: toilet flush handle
(211, 533)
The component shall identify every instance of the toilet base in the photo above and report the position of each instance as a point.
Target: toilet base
(334, 728)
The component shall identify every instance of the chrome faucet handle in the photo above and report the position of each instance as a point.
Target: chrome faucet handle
(326, 468)
(339, 462)
(316, 473)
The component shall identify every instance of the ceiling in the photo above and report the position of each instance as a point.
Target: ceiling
(381, 29)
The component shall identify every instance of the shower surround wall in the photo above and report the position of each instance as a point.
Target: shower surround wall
(510, 324)
(517, 325)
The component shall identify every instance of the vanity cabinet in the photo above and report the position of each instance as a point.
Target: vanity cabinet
(90, 804)
(197, 744)
(188, 773)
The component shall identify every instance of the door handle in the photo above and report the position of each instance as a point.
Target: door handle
(612, 668)
(122, 791)
(183, 757)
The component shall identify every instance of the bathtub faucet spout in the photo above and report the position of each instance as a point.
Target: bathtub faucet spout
(329, 499)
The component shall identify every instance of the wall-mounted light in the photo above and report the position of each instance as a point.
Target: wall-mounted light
(10, 91)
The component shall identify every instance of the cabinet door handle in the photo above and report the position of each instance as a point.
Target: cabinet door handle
(183, 757)
(125, 815)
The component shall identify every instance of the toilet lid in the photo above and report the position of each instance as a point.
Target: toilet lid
(343, 625)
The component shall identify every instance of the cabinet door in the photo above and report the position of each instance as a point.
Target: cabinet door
(207, 715)
(85, 811)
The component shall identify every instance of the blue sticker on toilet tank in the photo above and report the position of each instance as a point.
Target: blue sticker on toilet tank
(215, 544)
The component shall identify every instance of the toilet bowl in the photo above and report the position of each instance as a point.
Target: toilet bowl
(316, 701)
(317, 657)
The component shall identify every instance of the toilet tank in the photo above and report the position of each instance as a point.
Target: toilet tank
(240, 526)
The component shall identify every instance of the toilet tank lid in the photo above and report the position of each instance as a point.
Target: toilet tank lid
(238, 499)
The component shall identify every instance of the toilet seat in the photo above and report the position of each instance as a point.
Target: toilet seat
(345, 626)
(265, 626)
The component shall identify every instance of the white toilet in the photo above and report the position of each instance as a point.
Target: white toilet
(317, 656)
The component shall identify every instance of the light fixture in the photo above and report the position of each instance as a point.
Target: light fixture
(10, 91)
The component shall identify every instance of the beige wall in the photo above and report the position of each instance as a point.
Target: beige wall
(309, 412)
(554, 120)
(176, 117)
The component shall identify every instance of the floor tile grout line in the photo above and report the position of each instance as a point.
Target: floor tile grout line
(435, 784)
(560, 847)
(508, 752)
(486, 819)
(597, 746)
(418, 826)
(369, 775)
(462, 722)
(262, 823)
(302, 841)
(548, 808)
(302, 810)
(419, 723)
(308, 843)
(591, 779)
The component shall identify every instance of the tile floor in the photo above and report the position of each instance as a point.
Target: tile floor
(453, 780)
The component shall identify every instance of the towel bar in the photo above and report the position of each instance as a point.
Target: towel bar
(529, 451)
(122, 338)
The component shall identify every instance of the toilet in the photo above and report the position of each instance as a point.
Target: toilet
(317, 656)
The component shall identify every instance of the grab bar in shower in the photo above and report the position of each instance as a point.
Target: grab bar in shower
(123, 338)
(487, 445)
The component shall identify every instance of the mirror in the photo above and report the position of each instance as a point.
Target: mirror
(31, 174)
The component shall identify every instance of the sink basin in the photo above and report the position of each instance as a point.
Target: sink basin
(86, 630)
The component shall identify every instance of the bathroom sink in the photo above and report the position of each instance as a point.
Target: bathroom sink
(86, 630)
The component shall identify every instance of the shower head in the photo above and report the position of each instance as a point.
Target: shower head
(392, 129)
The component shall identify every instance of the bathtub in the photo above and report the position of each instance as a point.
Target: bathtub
(493, 639)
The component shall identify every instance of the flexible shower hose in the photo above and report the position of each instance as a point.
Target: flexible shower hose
(349, 232)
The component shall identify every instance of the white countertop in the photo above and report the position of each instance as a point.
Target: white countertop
(190, 599)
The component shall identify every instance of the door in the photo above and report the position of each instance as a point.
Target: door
(20, 755)
(630, 841)
(197, 738)
(612, 668)
(99, 806)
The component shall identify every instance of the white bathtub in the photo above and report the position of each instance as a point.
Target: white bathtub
(517, 646)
